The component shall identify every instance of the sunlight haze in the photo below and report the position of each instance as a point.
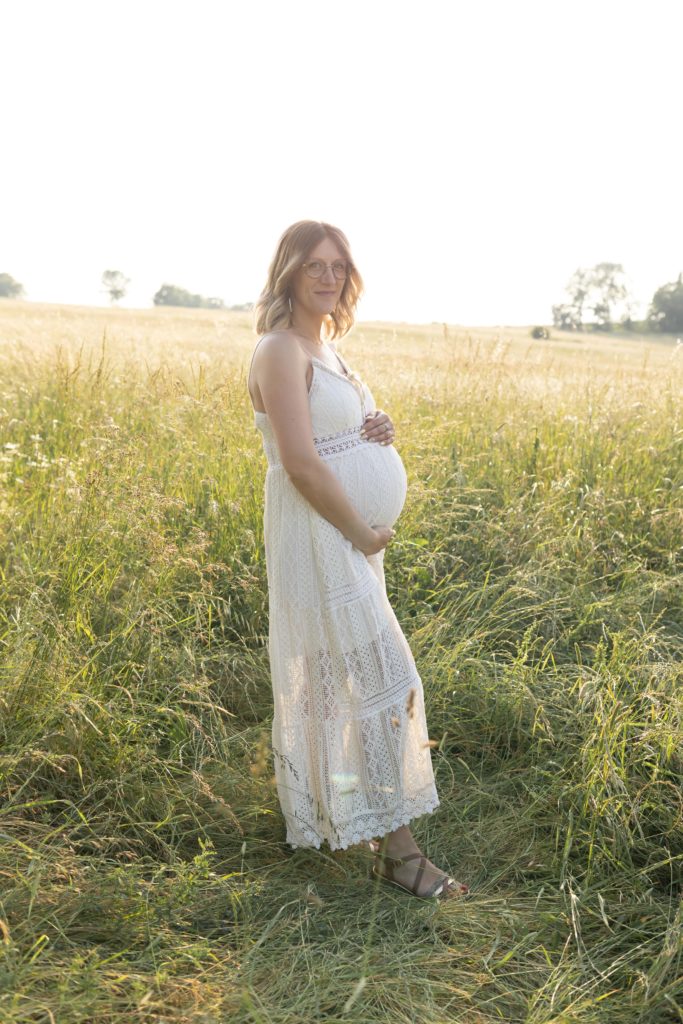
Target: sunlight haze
(474, 155)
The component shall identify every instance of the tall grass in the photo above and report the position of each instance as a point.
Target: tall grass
(537, 574)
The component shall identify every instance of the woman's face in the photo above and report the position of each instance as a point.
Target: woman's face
(321, 294)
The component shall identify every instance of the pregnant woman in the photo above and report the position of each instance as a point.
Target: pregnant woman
(350, 744)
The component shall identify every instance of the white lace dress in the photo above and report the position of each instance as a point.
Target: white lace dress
(349, 734)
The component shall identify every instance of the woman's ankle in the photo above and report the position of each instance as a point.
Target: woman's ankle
(397, 843)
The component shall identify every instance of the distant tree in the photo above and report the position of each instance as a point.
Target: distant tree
(666, 308)
(540, 332)
(566, 317)
(172, 295)
(600, 290)
(115, 283)
(609, 291)
(9, 288)
(578, 289)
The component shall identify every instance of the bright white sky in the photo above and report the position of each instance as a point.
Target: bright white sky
(475, 153)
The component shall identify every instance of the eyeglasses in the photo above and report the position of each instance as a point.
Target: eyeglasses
(316, 268)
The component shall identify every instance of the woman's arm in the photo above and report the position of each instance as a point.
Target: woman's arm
(280, 370)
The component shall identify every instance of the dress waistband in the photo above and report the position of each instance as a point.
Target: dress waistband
(335, 444)
(327, 447)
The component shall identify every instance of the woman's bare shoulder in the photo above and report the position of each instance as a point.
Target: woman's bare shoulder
(276, 341)
(278, 347)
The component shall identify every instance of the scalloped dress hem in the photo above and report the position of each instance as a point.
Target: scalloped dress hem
(349, 838)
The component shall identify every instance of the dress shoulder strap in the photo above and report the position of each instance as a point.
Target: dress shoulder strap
(251, 363)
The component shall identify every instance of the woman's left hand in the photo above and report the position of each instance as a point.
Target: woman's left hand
(378, 427)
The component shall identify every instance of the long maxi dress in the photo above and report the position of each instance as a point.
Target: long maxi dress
(349, 736)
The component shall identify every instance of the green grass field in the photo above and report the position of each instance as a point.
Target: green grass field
(536, 572)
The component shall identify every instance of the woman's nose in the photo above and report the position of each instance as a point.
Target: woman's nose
(324, 273)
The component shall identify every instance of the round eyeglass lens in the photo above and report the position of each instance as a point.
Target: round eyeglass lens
(315, 268)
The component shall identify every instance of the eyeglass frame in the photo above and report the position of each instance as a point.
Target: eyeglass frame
(347, 266)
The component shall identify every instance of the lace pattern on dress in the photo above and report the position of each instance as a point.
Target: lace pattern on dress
(327, 447)
(368, 825)
(335, 444)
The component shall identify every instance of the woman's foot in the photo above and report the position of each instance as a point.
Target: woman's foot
(398, 859)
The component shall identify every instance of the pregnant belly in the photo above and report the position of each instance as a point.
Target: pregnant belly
(374, 480)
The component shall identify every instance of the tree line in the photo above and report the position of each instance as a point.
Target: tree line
(596, 298)
(599, 298)
(115, 285)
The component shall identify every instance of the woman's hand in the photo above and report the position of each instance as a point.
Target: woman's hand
(382, 536)
(378, 427)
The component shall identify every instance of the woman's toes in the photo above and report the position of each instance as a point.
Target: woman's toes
(454, 888)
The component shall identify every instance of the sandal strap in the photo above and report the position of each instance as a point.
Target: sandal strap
(394, 862)
(400, 860)
(420, 872)
(441, 887)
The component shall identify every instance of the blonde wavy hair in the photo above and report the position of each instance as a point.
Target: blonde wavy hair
(271, 311)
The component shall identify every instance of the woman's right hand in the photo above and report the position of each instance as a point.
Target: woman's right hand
(379, 538)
